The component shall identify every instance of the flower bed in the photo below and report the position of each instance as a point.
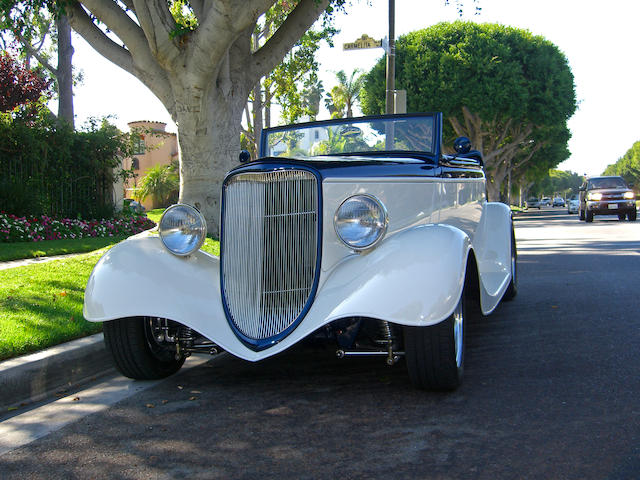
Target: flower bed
(34, 229)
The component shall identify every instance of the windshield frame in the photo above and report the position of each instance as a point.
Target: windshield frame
(423, 155)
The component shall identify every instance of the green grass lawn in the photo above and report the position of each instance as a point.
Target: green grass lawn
(46, 248)
(155, 214)
(41, 304)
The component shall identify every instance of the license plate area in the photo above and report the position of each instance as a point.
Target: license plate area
(612, 206)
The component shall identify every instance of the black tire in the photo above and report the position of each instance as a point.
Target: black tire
(135, 352)
(632, 216)
(512, 289)
(621, 216)
(581, 214)
(588, 217)
(435, 354)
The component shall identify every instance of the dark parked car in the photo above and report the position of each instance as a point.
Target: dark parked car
(558, 202)
(607, 196)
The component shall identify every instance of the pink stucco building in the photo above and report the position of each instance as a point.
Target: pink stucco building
(154, 147)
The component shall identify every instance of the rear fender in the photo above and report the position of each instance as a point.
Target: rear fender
(492, 247)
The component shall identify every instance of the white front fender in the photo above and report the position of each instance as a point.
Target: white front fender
(414, 277)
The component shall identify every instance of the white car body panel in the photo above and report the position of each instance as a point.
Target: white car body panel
(413, 277)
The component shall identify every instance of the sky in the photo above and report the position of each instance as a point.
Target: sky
(599, 39)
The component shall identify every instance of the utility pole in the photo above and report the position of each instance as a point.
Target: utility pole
(391, 59)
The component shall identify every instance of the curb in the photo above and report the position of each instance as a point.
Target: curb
(36, 376)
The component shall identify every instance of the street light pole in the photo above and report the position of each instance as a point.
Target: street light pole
(391, 59)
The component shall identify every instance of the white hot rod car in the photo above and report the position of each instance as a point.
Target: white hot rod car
(360, 231)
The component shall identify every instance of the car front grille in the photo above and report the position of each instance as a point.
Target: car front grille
(269, 249)
(612, 196)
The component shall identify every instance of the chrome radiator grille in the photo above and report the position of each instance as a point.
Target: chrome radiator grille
(270, 246)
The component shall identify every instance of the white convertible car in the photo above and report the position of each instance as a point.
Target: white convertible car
(360, 231)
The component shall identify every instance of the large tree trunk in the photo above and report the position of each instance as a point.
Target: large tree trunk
(209, 147)
(65, 71)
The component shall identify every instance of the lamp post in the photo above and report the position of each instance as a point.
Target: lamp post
(391, 60)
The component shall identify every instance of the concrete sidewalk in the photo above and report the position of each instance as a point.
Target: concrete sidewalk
(29, 261)
(40, 375)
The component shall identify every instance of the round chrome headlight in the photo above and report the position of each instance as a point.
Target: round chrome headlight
(182, 229)
(361, 221)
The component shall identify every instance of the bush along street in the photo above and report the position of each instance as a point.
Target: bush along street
(34, 229)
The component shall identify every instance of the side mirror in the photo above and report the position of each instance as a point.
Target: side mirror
(462, 145)
(244, 156)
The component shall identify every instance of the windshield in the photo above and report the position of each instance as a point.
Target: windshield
(351, 136)
(608, 182)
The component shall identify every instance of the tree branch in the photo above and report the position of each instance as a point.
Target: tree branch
(198, 9)
(283, 40)
(129, 4)
(117, 20)
(220, 24)
(106, 47)
(157, 24)
(147, 71)
(35, 52)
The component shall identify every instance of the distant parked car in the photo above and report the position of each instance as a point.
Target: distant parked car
(573, 204)
(545, 202)
(607, 196)
(558, 202)
(533, 203)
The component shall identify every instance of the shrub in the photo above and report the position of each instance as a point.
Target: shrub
(49, 169)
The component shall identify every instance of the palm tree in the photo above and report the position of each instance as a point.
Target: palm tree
(159, 181)
(342, 98)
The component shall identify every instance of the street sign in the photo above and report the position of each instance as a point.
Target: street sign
(365, 41)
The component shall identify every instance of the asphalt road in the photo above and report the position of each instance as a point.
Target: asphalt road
(551, 391)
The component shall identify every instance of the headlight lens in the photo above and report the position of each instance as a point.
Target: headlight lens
(594, 196)
(361, 221)
(629, 195)
(182, 229)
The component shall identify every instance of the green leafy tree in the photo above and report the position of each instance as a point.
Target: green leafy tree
(160, 182)
(293, 84)
(557, 182)
(627, 166)
(343, 97)
(41, 31)
(509, 91)
(201, 64)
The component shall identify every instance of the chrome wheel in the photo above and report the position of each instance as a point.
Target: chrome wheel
(458, 332)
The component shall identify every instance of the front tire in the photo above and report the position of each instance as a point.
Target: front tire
(435, 354)
(632, 216)
(135, 351)
(589, 217)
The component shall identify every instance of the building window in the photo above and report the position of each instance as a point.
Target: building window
(135, 163)
(139, 146)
